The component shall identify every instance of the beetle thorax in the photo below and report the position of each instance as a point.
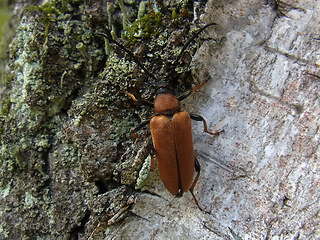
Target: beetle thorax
(166, 102)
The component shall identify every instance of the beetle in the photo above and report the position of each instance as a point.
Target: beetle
(171, 132)
(172, 141)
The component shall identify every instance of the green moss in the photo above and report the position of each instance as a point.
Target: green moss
(50, 13)
(174, 13)
(48, 8)
(66, 3)
(54, 7)
(5, 107)
(53, 11)
(150, 24)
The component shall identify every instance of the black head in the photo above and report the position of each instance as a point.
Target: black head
(162, 87)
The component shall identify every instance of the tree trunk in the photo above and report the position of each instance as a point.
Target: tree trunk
(69, 169)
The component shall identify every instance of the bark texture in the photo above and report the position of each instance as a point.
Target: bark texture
(69, 169)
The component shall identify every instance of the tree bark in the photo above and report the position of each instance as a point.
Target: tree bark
(68, 166)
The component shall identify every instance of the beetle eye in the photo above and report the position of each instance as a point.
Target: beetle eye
(161, 90)
(162, 87)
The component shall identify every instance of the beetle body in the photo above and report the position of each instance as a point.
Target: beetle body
(172, 142)
(171, 130)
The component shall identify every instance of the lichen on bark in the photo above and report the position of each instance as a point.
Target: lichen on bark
(68, 165)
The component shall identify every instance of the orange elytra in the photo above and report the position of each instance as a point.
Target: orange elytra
(171, 131)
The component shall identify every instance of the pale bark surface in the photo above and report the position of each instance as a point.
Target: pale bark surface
(260, 178)
(68, 169)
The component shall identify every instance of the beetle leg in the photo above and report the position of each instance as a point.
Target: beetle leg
(152, 159)
(205, 128)
(138, 127)
(189, 92)
(139, 100)
(197, 168)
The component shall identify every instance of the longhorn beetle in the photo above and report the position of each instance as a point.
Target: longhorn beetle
(171, 131)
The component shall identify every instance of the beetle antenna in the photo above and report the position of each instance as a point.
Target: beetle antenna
(130, 53)
(188, 43)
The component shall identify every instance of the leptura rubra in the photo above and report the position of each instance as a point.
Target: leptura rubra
(171, 131)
